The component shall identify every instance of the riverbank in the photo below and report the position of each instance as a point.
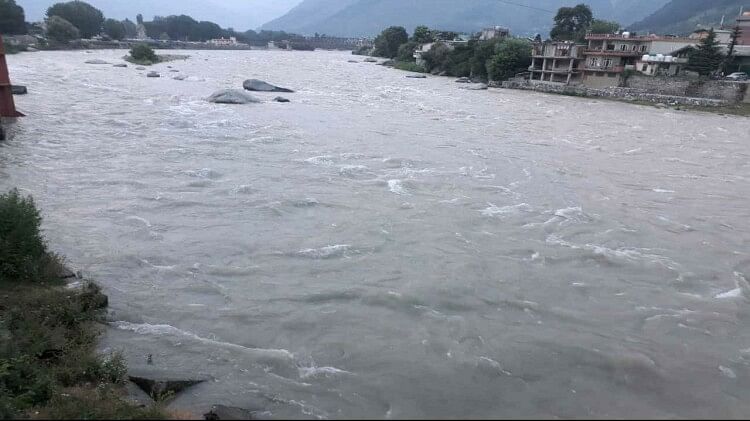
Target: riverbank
(49, 329)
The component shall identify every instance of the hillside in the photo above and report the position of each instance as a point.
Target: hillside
(369, 17)
(684, 16)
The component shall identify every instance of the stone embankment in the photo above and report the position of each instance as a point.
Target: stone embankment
(627, 94)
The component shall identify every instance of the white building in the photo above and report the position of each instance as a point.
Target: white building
(223, 42)
(493, 33)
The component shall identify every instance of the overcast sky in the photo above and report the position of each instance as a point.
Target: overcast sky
(239, 14)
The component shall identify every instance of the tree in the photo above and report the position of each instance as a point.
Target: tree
(599, 26)
(388, 42)
(422, 35)
(571, 23)
(707, 57)
(114, 29)
(12, 18)
(61, 30)
(131, 30)
(406, 51)
(730, 50)
(83, 16)
(139, 19)
(512, 56)
(142, 52)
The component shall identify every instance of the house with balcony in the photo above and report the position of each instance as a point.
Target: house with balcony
(557, 62)
(608, 55)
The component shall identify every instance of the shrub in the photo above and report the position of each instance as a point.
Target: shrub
(23, 254)
(143, 52)
(406, 51)
(61, 30)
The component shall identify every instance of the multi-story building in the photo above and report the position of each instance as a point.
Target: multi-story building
(608, 55)
(557, 61)
(493, 33)
(743, 23)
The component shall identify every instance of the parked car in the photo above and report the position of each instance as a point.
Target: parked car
(737, 76)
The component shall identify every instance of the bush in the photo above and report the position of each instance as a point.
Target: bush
(23, 254)
(143, 53)
(406, 51)
(511, 56)
(409, 66)
(61, 30)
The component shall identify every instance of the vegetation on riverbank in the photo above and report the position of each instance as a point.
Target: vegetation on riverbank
(144, 55)
(48, 332)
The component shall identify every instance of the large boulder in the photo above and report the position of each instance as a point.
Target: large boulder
(232, 96)
(96, 61)
(281, 99)
(19, 90)
(162, 388)
(261, 86)
(153, 74)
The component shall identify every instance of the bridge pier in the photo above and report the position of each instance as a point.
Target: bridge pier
(7, 106)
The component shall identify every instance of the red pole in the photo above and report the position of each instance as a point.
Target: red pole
(7, 106)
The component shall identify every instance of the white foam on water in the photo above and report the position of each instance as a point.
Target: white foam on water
(493, 210)
(307, 372)
(625, 253)
(396, 187)
(662, 191)
(322, 160)
(350, 170)
(139, 219)
(727, 372)
(326, 252)
(169, 330)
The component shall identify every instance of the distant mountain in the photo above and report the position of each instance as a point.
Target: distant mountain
(240, 14)
(369, 17)
(684, 16)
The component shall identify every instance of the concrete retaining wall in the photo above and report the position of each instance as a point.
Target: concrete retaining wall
(732, 92)
(627, 94)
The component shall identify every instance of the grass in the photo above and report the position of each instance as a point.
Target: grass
(48, 333)
(408, 66)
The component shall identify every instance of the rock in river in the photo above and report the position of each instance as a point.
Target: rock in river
(232, 96)
(370, 60)
(153, 74)
(180, 77)
(140, 68)
(475, 87)
(416, 76)
(19, 90)
(96, 61)
(161, 388)
(221, 412)
(261, 86)
(120, 65)
(281, 99)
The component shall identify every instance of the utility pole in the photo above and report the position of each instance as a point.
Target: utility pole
(7, 106)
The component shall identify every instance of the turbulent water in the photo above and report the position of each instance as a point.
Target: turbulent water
(384, 247)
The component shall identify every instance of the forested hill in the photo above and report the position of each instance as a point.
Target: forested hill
(684, 16)
(369, 17)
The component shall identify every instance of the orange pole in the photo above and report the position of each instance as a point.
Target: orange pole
(7, 106)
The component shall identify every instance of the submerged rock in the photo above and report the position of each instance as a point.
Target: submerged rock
(96, 61)
(475, 87)
(140, 68)
(162, 388)
(416, 76)
(261, 86)
(19, 90)
(120, 65)
(174, 71)
(153, 74)
(352, 61)
(180, 77)
(281, 99)
(463, 80)
(221, 412)
(232, 96)
(370, 60)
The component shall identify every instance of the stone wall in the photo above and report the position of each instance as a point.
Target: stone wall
(732, 92)
(627, 94)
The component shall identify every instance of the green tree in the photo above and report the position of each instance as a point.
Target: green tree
(388, 42)
(142, 52)
(21, 246)
(729, 59)
(571, 23)
(82, 15)
(61, 30)
(599, 26)
(482, 52)
(131, 30)
(512, 56)
(406, 51)
(422, 35)
(114, 29)
(707, 57)
(12, 18)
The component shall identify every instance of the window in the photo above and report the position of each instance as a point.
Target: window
(623, 47)
(610, 47)
(607, 62)
(594, 62)
(635, 47)
(611, 74)
(645, 67)
(644, 48)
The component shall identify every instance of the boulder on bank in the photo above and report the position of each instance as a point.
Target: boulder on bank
(153, 74)
(161, 388)
(120, 65)
(261, 86)
(19, 90)
(96, 61)
(232, 96)
(281, 99)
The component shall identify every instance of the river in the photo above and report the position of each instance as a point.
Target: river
(385, 247)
